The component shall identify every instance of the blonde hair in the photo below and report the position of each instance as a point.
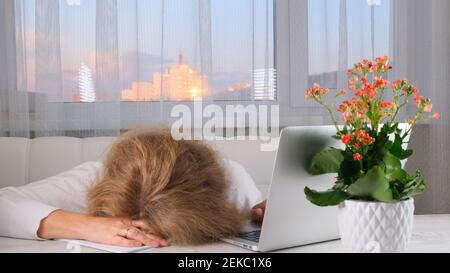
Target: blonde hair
(179, 187)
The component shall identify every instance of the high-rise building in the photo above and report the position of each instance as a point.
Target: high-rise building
(86, 84)
(181, 82)
(264, 84)
(178, 82)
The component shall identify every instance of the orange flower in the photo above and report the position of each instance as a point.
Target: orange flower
(371, 92)
(399, 83)
(359, 70)
(360, 133)
(363, 136)
(428, 108)
(410, 121)
(316, 91)
(418, 100)
(366, 63)
(357, 157)
(346, 139)
(352, 80)
(342, 92)
(351, 87)
(380, 82)
(396, 84)
(308, 94)
(364, 80)
(368, 140)
(387, 104)
(436, 115)
(343, 106)
(383, 60)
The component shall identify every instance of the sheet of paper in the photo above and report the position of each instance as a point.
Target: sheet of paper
(72, 244)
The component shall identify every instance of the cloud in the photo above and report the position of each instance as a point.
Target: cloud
(374, 2)
(73, 2)
(133, 66)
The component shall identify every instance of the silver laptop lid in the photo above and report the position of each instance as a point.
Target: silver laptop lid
(290, 219)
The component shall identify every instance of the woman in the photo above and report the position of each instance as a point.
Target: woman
(150, 190)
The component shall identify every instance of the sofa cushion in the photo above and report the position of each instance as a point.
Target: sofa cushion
(52, 155)
(95, 148)
(14, 161)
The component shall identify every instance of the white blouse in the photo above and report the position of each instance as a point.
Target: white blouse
(23, 208)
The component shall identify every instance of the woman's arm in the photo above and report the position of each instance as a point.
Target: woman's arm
(243, 190)
(244, 193)
(62, 224)
(23, 208)
(53, 209)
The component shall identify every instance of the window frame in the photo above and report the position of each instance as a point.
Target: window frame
(162, 108)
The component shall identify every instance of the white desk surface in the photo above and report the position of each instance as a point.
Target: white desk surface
(431, 234)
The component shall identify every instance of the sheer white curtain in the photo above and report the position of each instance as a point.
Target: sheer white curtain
(14, 118)
(414, 33)
(423, 33)
(91, 68)
(326, 38)
(341, 33)
(43, 56)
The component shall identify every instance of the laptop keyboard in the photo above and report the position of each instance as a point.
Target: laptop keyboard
(252, 236)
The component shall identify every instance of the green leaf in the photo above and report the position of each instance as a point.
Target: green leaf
(395, 193)
(414, 184)
(326, 198)
(389, 129)
(396, 148)
(349, 169)
(388, 144)
(418, 188)
(327, 161)
(393, 166)
(372, 185)
(382, 140)
(386, 128)
(406, 154)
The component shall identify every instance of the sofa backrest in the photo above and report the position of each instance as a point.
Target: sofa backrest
(25, 160)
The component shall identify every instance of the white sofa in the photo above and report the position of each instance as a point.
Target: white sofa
(25, 160)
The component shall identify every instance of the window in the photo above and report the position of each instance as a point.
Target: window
(151, 50)
(341, 33)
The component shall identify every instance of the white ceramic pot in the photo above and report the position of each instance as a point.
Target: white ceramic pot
(375, 227)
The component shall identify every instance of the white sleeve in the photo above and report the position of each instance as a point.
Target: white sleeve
(243, 190)
(23, 208)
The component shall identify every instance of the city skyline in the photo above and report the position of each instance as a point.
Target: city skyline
(239, 46)
(178, 82)
(182, 82)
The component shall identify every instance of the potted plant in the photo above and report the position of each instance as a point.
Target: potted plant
(372, 190)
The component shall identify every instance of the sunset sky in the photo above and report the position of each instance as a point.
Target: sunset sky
(140, 36)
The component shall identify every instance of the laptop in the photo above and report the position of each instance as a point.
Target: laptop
(290, 219)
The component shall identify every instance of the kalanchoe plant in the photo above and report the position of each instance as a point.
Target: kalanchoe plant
(370, 166)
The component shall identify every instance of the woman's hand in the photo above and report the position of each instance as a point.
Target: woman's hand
(107, 230)
(121, 232)
(257, 213)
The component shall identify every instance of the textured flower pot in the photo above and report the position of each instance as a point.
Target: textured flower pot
(375, 227)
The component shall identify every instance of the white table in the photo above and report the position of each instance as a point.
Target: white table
(431, 234)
